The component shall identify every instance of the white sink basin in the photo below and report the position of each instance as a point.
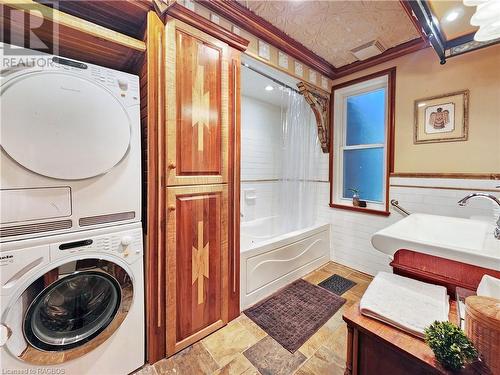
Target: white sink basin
(463, 240)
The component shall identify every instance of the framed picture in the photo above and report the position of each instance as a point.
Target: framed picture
(442, 118)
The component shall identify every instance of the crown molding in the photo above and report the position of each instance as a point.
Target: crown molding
(262, 29)
(181, 13)
(464, 176)
(390, 54)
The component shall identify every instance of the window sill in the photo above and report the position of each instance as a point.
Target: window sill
(370, 211)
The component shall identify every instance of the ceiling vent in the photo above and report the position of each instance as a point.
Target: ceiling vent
(368, 50)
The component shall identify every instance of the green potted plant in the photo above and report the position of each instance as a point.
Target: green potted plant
(355, 196)
(450, 345)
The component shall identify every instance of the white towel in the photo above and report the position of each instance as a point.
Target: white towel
(489, 287)
(404, 303)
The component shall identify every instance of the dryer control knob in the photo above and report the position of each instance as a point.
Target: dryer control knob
(125, 242)
(123, 84)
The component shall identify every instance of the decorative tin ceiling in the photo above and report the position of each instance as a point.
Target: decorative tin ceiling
(332, 28)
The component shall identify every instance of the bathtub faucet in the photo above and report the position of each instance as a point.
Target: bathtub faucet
(462, 202)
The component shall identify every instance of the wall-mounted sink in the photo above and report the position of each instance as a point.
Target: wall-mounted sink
(463, 240)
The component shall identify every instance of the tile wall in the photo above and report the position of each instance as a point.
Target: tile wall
(351, 231)
(261, 143)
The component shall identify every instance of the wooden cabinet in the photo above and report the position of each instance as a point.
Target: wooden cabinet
(440, 271)
(191, 118)
(197, 263)
(197, 106)
(202, 130)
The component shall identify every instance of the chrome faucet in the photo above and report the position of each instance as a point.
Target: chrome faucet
(462, 202)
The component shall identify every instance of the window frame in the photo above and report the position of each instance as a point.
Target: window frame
(387, 78)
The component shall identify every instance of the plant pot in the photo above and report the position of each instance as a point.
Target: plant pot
(355, 200)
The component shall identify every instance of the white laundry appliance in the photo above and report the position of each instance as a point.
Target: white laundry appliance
(73, 303)
(70, 156)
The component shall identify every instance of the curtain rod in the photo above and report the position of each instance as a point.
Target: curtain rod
(271, 78)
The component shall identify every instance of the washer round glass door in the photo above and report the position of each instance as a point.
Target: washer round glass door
(72, 311)
(76, 128)
(69, 311)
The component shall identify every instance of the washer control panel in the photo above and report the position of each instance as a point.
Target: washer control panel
(126, 244)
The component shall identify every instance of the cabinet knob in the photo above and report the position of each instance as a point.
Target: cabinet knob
(171, 208)
(171, 165)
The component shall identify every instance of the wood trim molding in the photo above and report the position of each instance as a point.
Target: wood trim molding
(76, 24)
(248, 20)
(126, 16)
(262, 29)
(69, 36)
(153, 113)
(464, 176)
(492, 190)
(391, 88)
(177, 11)
(390, 54)
(320, 105)
(391, 141)
(361, 209)
(234, 185)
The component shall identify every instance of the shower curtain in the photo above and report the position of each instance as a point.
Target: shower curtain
(300, 155)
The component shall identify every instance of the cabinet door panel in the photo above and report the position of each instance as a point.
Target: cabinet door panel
(197, 263)
(197, 103)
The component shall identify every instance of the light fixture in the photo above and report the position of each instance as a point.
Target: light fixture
(487, 17)
(452, 16)
(269, 88)
(488, 32)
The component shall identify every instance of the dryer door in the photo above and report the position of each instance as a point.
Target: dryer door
(75, 128)
(69, 311)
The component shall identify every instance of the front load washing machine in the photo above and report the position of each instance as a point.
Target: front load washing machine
(73, 303)
(70, 151)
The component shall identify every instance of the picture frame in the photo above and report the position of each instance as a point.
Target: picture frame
(442, 118)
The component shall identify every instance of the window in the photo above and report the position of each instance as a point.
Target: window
(362, 127)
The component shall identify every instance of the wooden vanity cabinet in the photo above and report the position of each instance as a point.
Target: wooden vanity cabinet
(374, 347)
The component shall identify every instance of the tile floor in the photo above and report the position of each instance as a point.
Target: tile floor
(242, 347)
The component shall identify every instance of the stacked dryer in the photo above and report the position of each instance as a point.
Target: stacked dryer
(71, 260)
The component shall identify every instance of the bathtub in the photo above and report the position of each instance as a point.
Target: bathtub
(271, 259)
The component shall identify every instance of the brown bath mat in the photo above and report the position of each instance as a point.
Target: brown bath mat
(293, 314)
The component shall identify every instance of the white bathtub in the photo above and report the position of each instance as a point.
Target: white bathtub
(270, 259)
